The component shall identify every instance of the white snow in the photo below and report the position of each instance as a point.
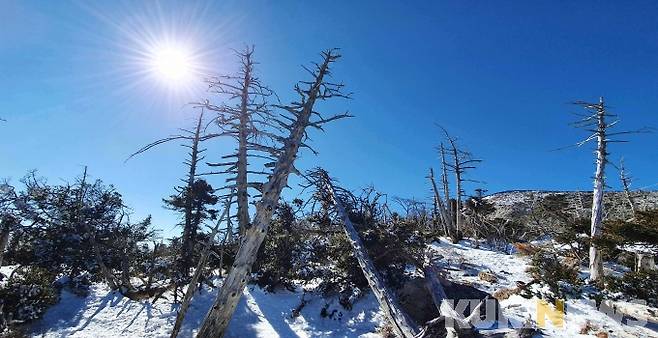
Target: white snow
(5, 272)
(259, 314)
(511, 268)
(262, 314)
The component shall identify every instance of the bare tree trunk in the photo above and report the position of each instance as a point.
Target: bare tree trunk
(189, 229)
(458, 200)
(241, 177)
(248, 122)
(626, 183)
(223, 308)
(125, 273)
(107, 274)
(149, 280)
(595, 258)
(402, 325)
(455, 323)
(446, 186)
(645, 262)
(439, 203)
(4, 241)
(225, 241)
(462, 161)
(194, 283)
(457, 169)
(595, 123)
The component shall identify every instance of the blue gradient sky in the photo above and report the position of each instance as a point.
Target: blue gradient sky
(499, 75)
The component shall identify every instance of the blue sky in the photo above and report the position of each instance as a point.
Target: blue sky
(499, 75)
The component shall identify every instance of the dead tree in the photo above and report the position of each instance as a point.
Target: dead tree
(250, 122)
(461, 162)
(402, 325)
(9, 218)
(446, 187)
(596, 122)
(300, 115)
(191, 210)
(194, 282)
(626, 184)
(440, 207)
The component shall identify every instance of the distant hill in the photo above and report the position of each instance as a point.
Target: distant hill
(515, 204)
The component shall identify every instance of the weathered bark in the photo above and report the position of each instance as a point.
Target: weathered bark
(402, 325)
(249, 123)
(241, 177)
(223, 308)
(595, 258)
(194, 283)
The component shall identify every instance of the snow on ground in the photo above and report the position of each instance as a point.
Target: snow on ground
(259, 314)
(262, 314)
(5, 272)
(465, 262)
(511, 268)
(7, 269)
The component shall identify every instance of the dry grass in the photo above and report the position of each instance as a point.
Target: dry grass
(526, 249)
(504, 293)
(487, 276)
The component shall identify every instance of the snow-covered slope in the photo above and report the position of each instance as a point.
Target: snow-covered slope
(468, 261)
(259, 314)
(516, 204)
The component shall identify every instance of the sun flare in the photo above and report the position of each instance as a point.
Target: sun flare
(173, 65)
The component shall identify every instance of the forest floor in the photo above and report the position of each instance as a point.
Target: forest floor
(262, 314)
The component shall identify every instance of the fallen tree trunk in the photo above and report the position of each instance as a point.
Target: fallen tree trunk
(402, 325)
(456, 325)
(452, 324)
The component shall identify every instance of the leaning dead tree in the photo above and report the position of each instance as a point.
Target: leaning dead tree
(596, 122)
(296, 120)
(440, 208)
(461, 162)
(249, 121)
(205, 254)
(626, 185)
(401, 323)
(189, 193)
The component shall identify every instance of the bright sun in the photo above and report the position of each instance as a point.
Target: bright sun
(174, 65)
